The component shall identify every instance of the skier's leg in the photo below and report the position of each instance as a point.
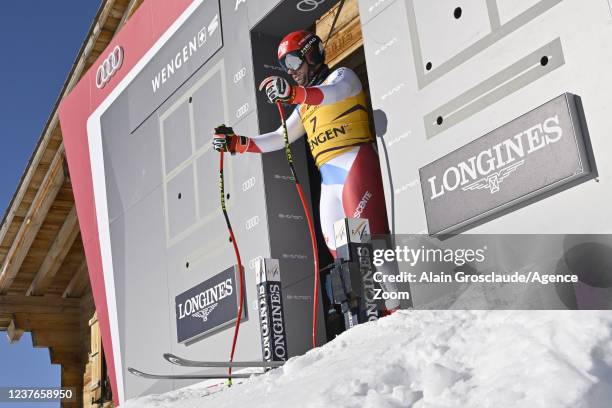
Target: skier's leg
(363, 197)
(330, 209)
(333, 177)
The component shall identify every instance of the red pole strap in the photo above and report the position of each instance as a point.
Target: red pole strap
(311, 229)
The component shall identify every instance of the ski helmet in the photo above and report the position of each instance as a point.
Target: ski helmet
(299, 47)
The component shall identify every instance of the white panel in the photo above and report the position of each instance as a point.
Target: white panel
(508, 9)
(442, 35)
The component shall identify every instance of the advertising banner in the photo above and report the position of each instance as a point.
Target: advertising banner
(543, 150)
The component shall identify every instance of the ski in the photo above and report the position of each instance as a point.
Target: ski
(187, 376)
(174, 359)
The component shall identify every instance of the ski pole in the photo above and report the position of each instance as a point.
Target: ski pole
(237, 252)
(313, 239)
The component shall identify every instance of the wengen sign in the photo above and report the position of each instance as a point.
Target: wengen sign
(542, 151)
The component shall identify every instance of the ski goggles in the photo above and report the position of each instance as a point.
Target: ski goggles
(291, 61)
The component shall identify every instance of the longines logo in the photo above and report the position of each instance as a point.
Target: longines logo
(205, 312)
(490, 167)
(208, 305)
(202, 304)
(492, 182)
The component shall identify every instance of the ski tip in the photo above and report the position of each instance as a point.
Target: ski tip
(172, 358)
(135, 372)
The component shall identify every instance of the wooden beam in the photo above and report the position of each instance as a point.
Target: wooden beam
(34, 219)
(47, 321)
(27, 177)
(66, 357)
(56, 255)
(78, 283)
(4, 323)
(13, 333)
(38, 304)
(50, 338)
(129, 10)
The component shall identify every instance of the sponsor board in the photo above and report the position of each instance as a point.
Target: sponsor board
(195, 43)
(353, 244)
(208, 306)
(528, 158)
(271, 313)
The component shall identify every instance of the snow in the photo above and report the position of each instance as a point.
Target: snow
(435, 359)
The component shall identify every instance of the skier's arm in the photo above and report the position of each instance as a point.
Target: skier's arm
(342, 83)
(226, 140)
(271, 141)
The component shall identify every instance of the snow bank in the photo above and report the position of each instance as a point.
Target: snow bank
(434, 359)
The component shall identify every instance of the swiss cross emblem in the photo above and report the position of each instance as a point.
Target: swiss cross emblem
(202, 36)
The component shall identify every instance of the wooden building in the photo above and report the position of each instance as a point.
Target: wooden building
(44, 284)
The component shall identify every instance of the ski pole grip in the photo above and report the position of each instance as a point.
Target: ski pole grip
(225, 130)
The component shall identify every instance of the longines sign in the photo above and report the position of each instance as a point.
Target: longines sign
(541, 151)
(271, 313)
(208, 306)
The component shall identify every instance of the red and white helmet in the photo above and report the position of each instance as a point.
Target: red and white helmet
(299, 47)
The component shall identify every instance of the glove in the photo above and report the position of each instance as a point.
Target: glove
(278, 89)
(225, 140)
(222, 138)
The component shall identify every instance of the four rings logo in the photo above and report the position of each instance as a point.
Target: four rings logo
(109, 67)
(309, 5)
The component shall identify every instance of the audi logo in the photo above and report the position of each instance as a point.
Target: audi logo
(239, 75)
(249, 184)
(309, 5)
(109, 67)
(253, 262)
(252, 222)
(242, 110)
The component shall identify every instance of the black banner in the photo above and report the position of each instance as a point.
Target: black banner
(207, 306)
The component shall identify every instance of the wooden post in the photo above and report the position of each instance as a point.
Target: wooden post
(13, 333)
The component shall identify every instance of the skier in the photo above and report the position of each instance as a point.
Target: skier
(331, 110)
